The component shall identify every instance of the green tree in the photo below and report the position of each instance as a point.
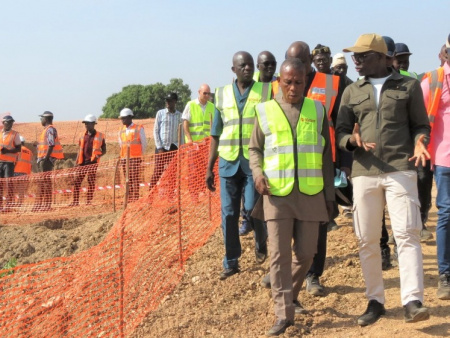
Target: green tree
(145, 101)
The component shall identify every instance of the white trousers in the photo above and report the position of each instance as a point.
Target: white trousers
(399, 191)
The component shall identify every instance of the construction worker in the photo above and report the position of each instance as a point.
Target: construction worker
(49, 150)
(436, 89)
(22, 169)
(296, 183)
(401, 60)
(233, 122)
(197, 117)
(92, 147)
(132, 137)
(9, 148)
(266, 65)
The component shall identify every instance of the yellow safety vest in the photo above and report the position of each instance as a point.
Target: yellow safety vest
(410, 74)
(237, 128)
(200, 123)
(287, 158)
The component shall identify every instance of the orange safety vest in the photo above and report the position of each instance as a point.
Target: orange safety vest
(96, 148)
(435, 83)
(23, 164)
(8, 143)
(133, 139)
(57, 151)
(324, 88)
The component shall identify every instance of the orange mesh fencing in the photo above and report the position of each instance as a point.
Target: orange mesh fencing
(107, 290)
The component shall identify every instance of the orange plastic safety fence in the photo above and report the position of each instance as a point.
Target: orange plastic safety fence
(107, 290)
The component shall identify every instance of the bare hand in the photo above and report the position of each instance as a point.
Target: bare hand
(356, 140)
(210, 180)
(421, 155)
(262, 185)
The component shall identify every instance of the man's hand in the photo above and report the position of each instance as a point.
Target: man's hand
(330, 209)
(210, 180)
(421, 155)
(262, 185)
(356, 141)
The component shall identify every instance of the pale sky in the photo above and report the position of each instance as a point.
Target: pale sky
(68, 56)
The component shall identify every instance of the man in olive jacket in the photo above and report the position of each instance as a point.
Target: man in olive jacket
(383, 120)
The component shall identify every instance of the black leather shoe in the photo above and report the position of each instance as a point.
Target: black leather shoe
(228, 273)
(260, 256)
(279, 327)
(373, 312)
(415, 312)
(299, 309)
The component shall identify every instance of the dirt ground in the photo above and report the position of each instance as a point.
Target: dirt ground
(202, 305)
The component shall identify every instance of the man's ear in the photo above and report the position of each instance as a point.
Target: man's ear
(233, 69)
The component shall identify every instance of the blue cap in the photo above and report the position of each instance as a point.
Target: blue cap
(390, 46)
(401, 49)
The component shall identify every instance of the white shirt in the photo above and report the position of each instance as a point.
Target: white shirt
(377, 85)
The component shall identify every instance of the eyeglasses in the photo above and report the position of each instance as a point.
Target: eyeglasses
(321, 60)
(206, 93)
(361, 58)
(269, 63)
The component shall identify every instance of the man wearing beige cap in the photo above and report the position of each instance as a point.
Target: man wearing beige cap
(339, 67)
(383, 121)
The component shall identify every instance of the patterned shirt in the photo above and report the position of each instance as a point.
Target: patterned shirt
(166, 128)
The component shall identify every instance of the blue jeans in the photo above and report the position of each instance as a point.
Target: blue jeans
(231, 190)
(442, 177)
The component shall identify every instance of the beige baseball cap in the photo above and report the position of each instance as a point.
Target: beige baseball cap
(368, 42)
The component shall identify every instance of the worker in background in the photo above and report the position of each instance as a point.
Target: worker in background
(266, 65)
(131, 136)
(233, 122)
(165, 133)
(9, 148)
(92, 146)
(294, 205)
(339, 67)
(401, 60)
(197, 117)
(436, 92)
(443, 56)
(22, 169)
(49, 150)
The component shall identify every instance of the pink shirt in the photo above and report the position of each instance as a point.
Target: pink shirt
(440, 134)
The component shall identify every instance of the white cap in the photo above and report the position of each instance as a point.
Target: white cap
(90, 118)
(126, 112)
(22, 139)
(338, 59)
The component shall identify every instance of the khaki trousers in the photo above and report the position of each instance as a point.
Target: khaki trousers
(287, 271)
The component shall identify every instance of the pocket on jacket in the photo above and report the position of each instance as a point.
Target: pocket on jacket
(394, 104)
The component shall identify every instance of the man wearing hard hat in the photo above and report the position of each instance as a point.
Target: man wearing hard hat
(92, 147)
(9, 147)
(132, 136)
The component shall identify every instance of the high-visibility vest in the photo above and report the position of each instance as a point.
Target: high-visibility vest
(133, 138)
(200, 123)
(237, 128)
(410, 74)
(8, 143)
(324, 88)
(23, 164)
(287, 158)
(96, 148)
(57, 151)
(257, 73)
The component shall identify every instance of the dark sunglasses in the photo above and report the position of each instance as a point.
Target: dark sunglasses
(269, 63)
(360, 58)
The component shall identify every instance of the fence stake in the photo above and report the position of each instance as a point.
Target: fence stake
(179, 194)
(127, 177)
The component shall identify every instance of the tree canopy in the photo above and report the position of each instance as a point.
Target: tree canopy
(145, 101)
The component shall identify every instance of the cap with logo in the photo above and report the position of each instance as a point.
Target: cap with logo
(368, 42)
(172, 97)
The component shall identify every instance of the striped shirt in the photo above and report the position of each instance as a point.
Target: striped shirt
(166, 128)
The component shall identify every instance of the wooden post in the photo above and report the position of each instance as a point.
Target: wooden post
(179, 194)
(127, 177)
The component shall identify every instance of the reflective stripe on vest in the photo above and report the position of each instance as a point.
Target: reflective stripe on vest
(410, 74)
(8, 143)
(23, 164)
(96, 148)
(200, 123)
(237, 128)
(286, 158)
(133, 138)
(324, 88)
(57, 151)
(435, 82)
